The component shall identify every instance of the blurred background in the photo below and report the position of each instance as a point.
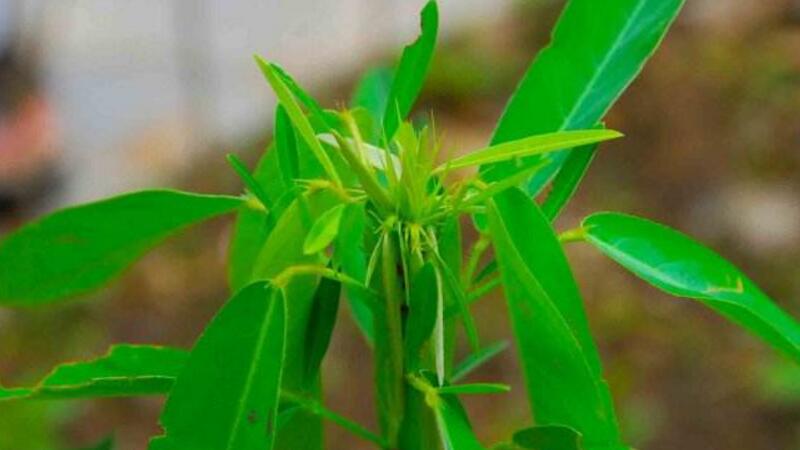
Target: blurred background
(97, 97)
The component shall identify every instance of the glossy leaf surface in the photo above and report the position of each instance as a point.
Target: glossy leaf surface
(227, 395)
(595, 52)
(560, 364)
(127, 370)
(678, 265)
(78, 249)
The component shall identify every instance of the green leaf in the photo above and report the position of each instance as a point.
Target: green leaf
(421, 315)
(227, 395)
(410, 74)
(477, 359)
(320, 325)
(454, 427)
(474, 388)
(566, 182)
(533, 145)
(595, 53)
(561, 367)
(286, 147)
(372, 92)
(253, 225)
(324, 230)
(350, 255)
(126, 370)
(283, 249)
(549, 438)
(297, 117)
(678, 265)
(78, 249)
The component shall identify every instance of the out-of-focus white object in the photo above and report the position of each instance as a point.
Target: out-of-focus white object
(171, 78)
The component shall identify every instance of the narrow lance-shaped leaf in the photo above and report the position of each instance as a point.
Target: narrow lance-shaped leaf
(227, 395)
(678, 265)
(78, 249)
(533, 145)
(350, 255)
(320, 325)
(566, 182)
(324, 230)
(410, 74)
(561, 368)
(297, 117)
(474, 388)
(126, 370)
(601, 47)
(455, 430)
(477, 359)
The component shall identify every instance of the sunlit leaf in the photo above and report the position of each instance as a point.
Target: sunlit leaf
(78, 249)
(324, 230)
(533, 145)
(595, 53)
(678, 265)
(297, 117)
(227, 395)
(126, 370)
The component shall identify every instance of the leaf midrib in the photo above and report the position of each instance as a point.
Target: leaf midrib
(617, 44)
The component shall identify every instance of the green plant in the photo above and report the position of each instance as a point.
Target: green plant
(355, 201)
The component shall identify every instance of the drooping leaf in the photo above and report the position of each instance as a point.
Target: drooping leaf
(227, 395)
(324, 230)
(561, 368)
(320, 325)
(410, 74)
(474, 388)
(126, 370)
(595, 52)
(477, 359)
(566, 182)
(532, 145)
(549, 438)
(78, 249)
(678, 265)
